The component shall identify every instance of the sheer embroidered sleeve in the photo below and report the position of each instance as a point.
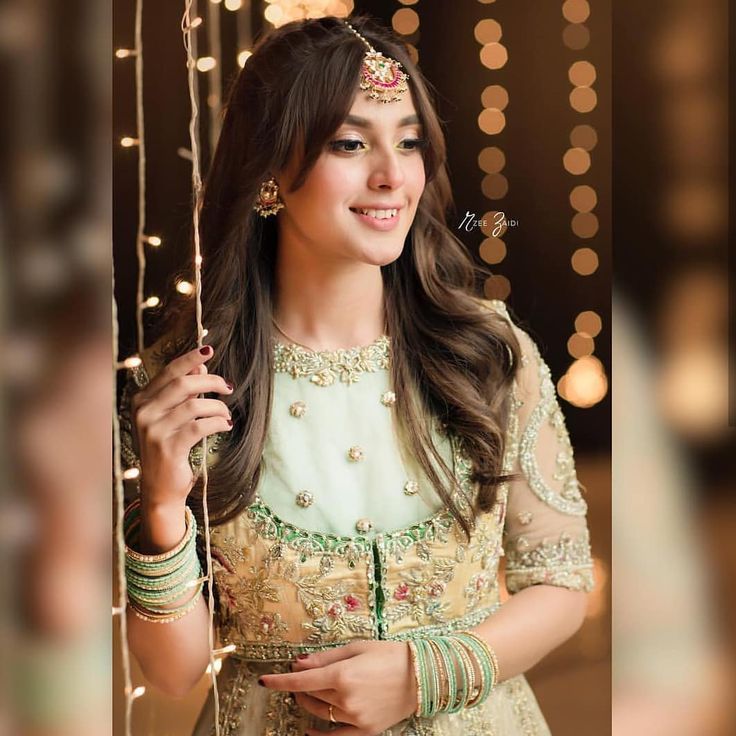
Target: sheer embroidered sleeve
(546, 537)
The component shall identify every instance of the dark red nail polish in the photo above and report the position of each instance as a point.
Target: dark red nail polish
(229, 385)
(229, 422)
(302, 656)
(261, 683)
(205, 350)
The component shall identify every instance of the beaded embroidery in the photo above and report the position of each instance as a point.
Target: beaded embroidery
(327, 366)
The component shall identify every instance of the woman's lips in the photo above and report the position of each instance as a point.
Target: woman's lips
(388, 223)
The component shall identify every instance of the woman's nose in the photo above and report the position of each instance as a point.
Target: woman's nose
(387, 171)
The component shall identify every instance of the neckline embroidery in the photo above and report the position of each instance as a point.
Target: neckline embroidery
(325, 367)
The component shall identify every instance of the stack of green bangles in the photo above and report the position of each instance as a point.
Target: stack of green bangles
(445, 668)
(155, 582)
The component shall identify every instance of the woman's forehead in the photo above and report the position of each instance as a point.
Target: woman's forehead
(368, 113)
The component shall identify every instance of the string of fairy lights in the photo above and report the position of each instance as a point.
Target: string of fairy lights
(275, 13)
(585, 383)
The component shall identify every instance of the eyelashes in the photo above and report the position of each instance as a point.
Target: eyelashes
(350, 145)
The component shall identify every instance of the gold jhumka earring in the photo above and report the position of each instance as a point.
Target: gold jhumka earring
(268, 202)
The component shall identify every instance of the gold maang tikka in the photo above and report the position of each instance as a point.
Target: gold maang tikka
(380, 75)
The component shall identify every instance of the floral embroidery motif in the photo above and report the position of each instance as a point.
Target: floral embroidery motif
(298, 409)
(525, 517)
(232, 700)
(482, 584)
(327, 366)
(283, 714)
(333, 610)
(420, 593)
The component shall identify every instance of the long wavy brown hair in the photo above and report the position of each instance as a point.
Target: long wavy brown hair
(451, 359)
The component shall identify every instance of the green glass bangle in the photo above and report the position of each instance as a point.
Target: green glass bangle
(167, 595)
(169, 611)
(459, 690)
(432, 693)
(162, 582)
(476, 650)
(161, 566)
(449, 666)
(467, 669)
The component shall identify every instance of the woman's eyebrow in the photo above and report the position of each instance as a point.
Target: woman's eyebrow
(365, 123)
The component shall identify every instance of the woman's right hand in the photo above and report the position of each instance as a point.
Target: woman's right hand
(169, 419)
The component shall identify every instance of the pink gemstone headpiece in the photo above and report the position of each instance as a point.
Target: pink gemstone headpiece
(380, 75)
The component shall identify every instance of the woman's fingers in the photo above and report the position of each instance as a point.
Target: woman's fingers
(194, 409)
(180, 366)
(188, 436)
(320, 708)
(182, 388)
(329, 656)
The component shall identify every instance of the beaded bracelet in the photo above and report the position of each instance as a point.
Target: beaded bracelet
(445, 672)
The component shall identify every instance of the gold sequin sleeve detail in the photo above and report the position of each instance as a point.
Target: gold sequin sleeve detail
(546, 537)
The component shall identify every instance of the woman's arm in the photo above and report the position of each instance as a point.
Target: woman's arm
(173, 656)
(530, 625)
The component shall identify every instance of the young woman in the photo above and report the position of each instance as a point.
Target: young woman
(380, 437)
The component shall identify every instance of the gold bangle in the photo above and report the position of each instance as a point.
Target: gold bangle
(165, 618)
(417, 676)
(491, 656)
(444, 692)
(163, 556)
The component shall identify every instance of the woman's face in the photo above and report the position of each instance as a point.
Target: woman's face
(360, 199)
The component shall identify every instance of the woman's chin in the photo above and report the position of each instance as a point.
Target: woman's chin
(383, 255)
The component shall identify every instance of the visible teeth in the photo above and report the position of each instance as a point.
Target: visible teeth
(378, 214)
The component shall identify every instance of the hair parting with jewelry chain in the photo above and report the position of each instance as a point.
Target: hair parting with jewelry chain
(451, 358)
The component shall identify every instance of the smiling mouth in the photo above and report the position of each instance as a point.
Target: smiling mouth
(376, 214)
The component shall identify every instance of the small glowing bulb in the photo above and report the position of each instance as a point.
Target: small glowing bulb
(128, 142)
(125, 53)
(153, 240)
(198, 259)
(133, 362)
(206, 63)
(233, 4)
(243, 56)
(184, 287)
(118, 610)
(131, 473)
(137, 692)
(196, 22)
(152, 301)
(218, 667)
(204, 332)
(226, 650)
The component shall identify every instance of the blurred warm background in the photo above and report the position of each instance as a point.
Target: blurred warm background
(600, 130)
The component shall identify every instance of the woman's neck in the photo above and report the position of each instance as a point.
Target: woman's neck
(327, 308)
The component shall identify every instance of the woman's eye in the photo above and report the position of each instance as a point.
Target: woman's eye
(347, 145)
(414, 144)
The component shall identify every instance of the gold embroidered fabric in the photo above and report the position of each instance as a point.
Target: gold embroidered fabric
(284, 587)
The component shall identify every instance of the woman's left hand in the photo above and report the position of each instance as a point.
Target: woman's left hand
(370, 685)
